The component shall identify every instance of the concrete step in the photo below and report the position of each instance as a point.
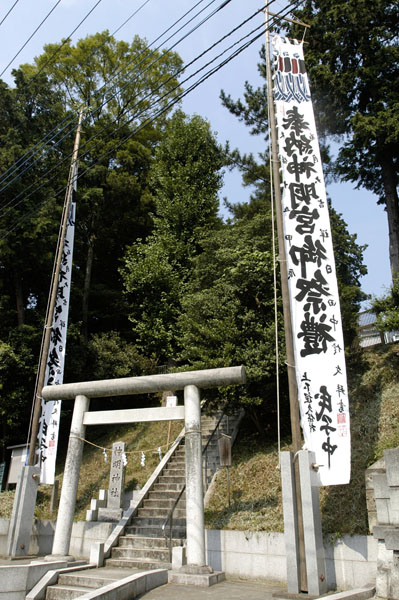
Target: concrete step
(179, 462)
(155, 522)
(163, 503)
(172, 479)
(65, 592)
(153, 554)
(81, 580)
(131, 563)
(161, 513)
(134, 541)
(156, 532)
(165, 493)
(172, 472)
(172, 487)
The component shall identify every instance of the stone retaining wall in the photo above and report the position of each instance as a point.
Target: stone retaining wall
(350, 563)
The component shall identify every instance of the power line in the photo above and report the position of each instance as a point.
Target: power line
(38, 146)
(152, 93)
(129, 81)
(161, 111)
(30, 37)
(131, 16)
(67, 39)
(5, 17)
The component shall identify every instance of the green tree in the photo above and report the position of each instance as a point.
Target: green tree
(17, 372)
(122, 84)
(228, 311)
(387, 309)
(27, 112)
(185, 179)
(352, 58)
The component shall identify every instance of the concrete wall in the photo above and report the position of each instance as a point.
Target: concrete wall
(350, 563)
(16, 580)
(84, 534)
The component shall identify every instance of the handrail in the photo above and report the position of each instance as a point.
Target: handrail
(172, 510)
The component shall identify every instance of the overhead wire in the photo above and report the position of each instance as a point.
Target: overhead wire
(153, 92)
(204, 20)
(16, 166)
(6, 15)
(67, 39)
(137, 130)
(161, 111)
(39, 144)
(31, 36)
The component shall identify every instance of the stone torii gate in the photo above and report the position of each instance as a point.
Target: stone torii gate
(190, 382)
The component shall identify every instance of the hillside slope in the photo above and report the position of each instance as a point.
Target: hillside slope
(255, 478)
(373, 377)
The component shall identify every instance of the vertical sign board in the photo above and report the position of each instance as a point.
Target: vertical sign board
(315, 311)
(51, 411)
(2, 473)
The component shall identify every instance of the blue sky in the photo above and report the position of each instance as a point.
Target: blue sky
(358, 207)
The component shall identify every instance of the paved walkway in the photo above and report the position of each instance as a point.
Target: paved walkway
(227, 590)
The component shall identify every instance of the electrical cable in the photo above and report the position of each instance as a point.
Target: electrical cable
(137, 130)
(130, 81)
(135, 116)
(6, 174)
(160, 112)
(71, 121)
(147, 95)
(30, 37)
(164, 109)
(5, 17)
(131, 16)
(66, 39)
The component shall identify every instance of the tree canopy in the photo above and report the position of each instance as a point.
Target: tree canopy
(185, 179)
(352, 58)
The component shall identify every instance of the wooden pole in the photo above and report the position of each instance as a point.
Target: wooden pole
(52, 299)
(292, 384)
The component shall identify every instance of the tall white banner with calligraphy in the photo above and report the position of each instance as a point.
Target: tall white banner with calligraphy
(51, 411)
(316, 316)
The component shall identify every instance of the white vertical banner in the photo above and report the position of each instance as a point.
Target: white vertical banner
(315, 311)
(51, 411)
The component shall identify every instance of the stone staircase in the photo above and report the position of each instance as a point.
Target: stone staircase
(143, 546)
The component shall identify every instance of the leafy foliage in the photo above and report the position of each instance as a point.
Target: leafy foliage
(387, 309)
(185, 180)
(352, 57)
(113, 200)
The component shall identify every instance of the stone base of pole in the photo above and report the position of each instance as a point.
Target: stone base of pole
(200, 579)
(195, 570)
(23, 512)
(58, 557)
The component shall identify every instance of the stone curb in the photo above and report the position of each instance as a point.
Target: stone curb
(38, 592)
(363, 593)
(129, 587)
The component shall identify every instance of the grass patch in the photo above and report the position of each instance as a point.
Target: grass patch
(94, 473)
(373, 380)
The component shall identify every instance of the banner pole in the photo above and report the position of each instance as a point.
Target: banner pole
(52, 299)
(292, 384)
